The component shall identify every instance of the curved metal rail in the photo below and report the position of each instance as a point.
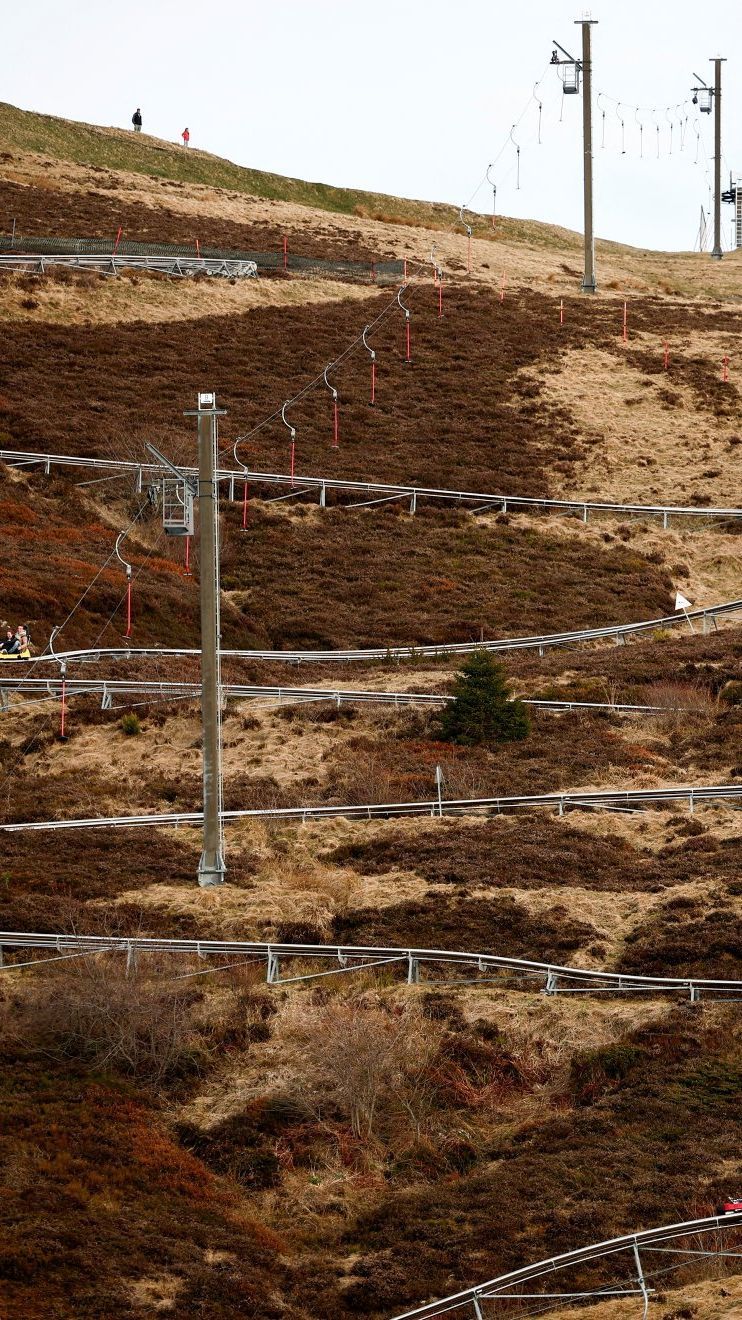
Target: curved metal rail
(510, 1285)
(320, 485)
(612, 800)
(157, 689)
(617, 631)
(557, 979)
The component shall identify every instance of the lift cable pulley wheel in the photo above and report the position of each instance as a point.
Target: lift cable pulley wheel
(335, 419)
(372, 353)
(292, 431)
(127, 566)
(406, 310)
(540, 105)
(493, 186)
(517, 157)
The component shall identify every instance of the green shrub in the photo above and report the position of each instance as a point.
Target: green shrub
(482, 710)
(130, 724)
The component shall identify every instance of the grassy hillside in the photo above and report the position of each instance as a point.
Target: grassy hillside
(212, 1146)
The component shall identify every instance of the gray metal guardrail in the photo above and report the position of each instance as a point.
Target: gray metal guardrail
(556, 978)
(37, 264)
(605, 799)
(160, 690)
(127, 251)
(618, 632)
(303, 485)
(633, 1245)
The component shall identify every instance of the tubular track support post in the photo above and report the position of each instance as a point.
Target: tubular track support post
(121, 536)
(372, 353)
(335, 418)
(245, 493)
(641, 1280)
(468, 238)
(561, 311)
(292, 430)
(406, 310)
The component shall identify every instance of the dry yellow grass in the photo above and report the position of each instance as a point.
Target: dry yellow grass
(644, 452)
(709, 1299)
(535, 261)
(105, 300)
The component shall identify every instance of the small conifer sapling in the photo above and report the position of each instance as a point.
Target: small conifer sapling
(482, 710)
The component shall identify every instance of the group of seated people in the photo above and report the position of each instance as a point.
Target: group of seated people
(17, 645)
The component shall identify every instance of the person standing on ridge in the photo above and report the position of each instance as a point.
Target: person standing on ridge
(186, 135)
(136, 120)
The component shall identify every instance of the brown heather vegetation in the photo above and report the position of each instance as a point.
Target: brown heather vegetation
(349, 1147)
(62, 213)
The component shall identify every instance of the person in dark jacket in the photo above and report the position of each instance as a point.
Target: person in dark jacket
(136, 120)
(11, 645)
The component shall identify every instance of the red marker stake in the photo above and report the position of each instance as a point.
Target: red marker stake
(440, 299)
(188, 557)
(725, 369)
(561, 311)
(502, 288)
(625, 322)
(244, 506)
(667, 355)
(118, 240)
(285, 254)
(198, 249)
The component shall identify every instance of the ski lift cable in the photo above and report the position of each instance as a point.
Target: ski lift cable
(49, 650)
(361, 339)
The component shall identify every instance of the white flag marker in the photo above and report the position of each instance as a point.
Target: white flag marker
(682, 603)
(439, 786)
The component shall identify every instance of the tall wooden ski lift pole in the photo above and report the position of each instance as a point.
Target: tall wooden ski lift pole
(570, 72)
(211, 868)
(588, 282)
(708, 98)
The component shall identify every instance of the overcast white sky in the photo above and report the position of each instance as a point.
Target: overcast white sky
(412, 97)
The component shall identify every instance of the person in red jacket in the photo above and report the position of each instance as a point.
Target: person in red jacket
(186, 137)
